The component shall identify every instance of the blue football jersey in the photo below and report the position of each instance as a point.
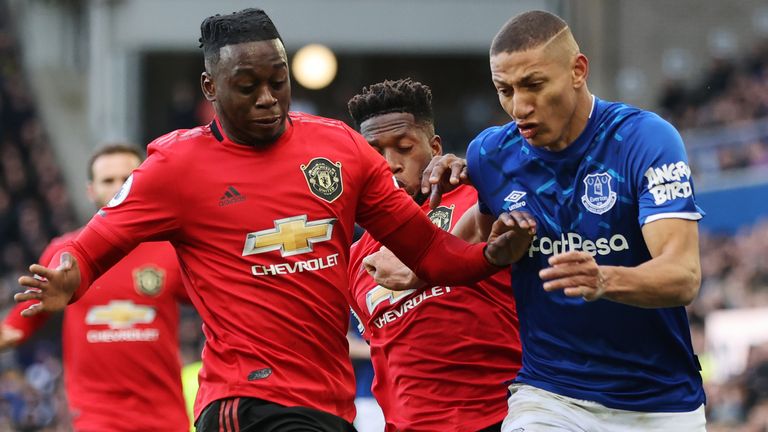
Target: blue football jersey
(626, 169)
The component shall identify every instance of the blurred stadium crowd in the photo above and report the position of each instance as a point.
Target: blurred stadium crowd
(732, 94)
(34, 207)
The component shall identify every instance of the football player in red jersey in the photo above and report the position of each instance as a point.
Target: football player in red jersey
(260, 205)
(121, 340)
(441, 355)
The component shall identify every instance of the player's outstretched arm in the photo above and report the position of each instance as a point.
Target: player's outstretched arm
(443, 174)
(671, 277)
(51, 288)
(508, 240)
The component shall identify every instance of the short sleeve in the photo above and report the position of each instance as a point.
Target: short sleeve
(661, 171)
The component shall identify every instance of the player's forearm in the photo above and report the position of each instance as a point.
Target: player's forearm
(441, 258)
(660, 282)
(94, 255)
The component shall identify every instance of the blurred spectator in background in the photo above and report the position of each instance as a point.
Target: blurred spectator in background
(33, 208)
(733, 95)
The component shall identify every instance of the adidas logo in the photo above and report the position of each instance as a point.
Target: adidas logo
(231, 196)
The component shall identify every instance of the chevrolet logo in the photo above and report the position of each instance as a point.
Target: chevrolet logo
(120, 314)
(291, 236)
(380, 294)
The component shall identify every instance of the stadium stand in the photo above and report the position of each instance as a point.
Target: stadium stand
(34, 207)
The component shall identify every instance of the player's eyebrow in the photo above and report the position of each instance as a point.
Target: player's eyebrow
(533, 76)
(249, 69)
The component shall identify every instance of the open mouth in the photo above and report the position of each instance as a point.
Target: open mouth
(528, 131)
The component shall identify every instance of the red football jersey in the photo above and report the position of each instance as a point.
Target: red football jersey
(263, 236)
(441, 355)
(122, 370)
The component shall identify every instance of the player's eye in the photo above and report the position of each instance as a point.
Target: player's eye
(277, 84)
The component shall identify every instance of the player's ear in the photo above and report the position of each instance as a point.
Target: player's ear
(435, 143)
(580, 70)
(208, 86)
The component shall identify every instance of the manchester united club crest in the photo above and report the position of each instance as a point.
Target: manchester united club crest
(149, 280)
(598, 196)
(324, 178)
(442, 217)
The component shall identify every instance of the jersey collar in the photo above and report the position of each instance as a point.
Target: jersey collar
(218, 132)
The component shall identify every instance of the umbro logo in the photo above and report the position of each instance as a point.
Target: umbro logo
(513, 200)
(231, 196)
(515, 196)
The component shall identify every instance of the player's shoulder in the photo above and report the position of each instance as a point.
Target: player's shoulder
(631, 119)
(331, 132)
(180, 140)
(302, 119)
(493, 139)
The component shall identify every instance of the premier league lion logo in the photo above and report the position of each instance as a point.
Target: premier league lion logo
(598, 196)
(323, 178)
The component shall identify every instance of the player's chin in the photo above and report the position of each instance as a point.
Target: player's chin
(266, 132)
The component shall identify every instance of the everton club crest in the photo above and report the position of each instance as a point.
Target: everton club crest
(442, 216)
(598, 196)
(148, 280)
(323, 178)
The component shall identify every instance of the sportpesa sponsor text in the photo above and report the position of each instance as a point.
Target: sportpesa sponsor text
(574, 241)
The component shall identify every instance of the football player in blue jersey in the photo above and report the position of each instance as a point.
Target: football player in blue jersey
(602, 287)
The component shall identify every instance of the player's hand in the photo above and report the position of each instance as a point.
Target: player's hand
(9, 336)
(388, 271)
(52, 288)
(576, 273)
(443, 174)
(510, 238)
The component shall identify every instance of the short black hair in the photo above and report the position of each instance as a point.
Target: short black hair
(248, 25)
(527, 30)
(404, 95)
(113, 148)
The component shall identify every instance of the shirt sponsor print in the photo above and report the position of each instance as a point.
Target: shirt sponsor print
(669, 182)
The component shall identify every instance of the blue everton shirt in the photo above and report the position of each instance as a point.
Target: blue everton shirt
(626, 169)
